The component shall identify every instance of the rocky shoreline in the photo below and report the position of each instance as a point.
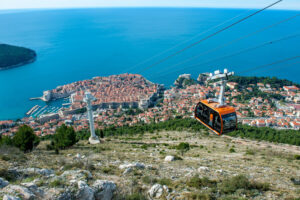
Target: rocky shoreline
(20, 64)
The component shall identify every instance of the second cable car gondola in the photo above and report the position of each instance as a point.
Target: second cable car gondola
(214, 113)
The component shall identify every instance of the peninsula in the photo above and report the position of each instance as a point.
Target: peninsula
(13, 56)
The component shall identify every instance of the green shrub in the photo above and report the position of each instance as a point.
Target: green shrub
(83, 134)
(162, 152)
(192, 125)
(165, 181)
(75, 165)
(29, 179)
(267, 134)
(135, 196)
(4, 157)
(6, 140)
(296, 182)
(231, 150)
(183, 146)
(232, 197)
(200, 196)
(90, 167)
(176, 157)
(107, 170)
(11, 153)
(141, 128)
(232, 184)
(25, 139)
(56, 183)
(197, 182)
(144, 146)
(149, 180)
(65, 136)
(40, 183)
(100, 149)
(250, 152)
(101, 133)
(8, 175)
(260, 186)
(297, 157)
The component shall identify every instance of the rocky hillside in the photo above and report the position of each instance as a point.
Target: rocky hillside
(13, 56)
(165, 165)
(184, 80)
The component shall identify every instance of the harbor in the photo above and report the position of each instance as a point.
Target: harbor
(49, 108)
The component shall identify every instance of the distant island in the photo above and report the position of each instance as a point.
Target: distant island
(13, 56)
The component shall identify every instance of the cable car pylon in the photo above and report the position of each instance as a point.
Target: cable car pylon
(223, 77)
(214, 113)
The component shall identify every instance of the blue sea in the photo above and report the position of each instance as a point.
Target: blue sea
(77, 44)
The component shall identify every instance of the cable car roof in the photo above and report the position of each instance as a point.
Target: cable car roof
(215, 106)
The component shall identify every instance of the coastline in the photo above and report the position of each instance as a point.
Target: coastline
(20, 64)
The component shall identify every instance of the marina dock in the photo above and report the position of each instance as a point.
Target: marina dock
(35, 98)
(33, 109)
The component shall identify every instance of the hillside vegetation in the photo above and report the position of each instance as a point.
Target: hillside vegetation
(137, 166)
(266, 134)
(274, 82)
(12, 56)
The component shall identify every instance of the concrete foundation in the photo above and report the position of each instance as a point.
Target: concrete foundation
(94, 140)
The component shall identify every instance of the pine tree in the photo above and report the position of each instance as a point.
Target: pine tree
(64, 137)
(25, 139)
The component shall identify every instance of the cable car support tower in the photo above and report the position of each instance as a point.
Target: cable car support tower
(223, 77)
(88, 98)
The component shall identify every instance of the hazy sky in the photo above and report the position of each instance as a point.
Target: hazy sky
(19, 4)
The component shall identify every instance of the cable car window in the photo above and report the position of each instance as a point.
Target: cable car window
(205, 114)
(202, 112)
(229, 122)
(217, 124)
(199, 111)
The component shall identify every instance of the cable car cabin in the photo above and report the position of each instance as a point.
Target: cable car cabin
(219, 119)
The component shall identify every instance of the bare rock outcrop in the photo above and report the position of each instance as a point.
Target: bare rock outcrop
(157, 191)
(3, 183)
(85, 192)
(104, 189)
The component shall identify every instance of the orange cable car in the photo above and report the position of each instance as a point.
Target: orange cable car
(215, 114)
(220, 120)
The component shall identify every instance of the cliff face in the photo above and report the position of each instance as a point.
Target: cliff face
(13, 56)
